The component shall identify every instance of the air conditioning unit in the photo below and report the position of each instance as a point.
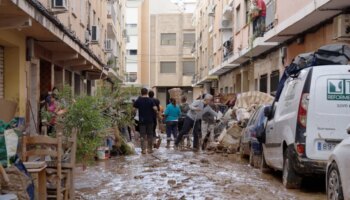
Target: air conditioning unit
(341, 27)
(226, 24)
(108, 45)
(59, 4)
(95, 34)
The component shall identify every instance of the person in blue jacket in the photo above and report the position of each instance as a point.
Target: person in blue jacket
(172, 114)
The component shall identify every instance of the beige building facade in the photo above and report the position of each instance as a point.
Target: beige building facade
(46, 44)
(166, 41)
(243, 62)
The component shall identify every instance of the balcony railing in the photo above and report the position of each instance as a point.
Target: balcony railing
(111, 13)
(270, 15)
(262, 25)
(228, 48)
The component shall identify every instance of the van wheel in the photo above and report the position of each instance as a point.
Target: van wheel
(334, 186)
(264, 168)
(290, 179)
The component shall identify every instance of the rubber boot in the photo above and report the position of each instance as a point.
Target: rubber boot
(150, 145)
(168, 144)
(143, 146)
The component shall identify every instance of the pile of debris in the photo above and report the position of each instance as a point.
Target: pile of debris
(228, 131)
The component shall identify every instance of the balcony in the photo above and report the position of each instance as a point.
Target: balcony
(228, 48)
(111, 13)
(270, 15)
(309, 16)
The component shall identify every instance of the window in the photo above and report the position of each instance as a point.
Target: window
(168, 39)
(274, 80)
(132, 52)
(131, 25)
(188, 68)
(167, 67)
(189, 39)
(263, 83)
(131, 77)
(226, 90)
(238, 16)
(247, 7)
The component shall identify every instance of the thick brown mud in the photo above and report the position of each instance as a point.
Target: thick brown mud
(174, 174)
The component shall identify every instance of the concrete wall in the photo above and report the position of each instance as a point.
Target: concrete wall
(15, 68)
(144, 36)
(285, 9)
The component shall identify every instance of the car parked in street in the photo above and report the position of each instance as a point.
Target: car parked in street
(307, 122)
(250, 146)
(338, 176)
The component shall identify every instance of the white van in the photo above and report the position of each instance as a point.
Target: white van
(307, 122)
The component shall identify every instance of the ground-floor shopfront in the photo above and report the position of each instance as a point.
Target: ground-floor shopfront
(34, 60)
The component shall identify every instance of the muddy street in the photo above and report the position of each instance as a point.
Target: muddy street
(175, 174)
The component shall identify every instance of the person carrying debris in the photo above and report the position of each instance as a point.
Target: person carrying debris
(208, 124)
(172, 114)
(146, 108)
(193, 120)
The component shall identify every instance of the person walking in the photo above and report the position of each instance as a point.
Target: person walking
(146, 109)
(192, 120)
(155, 118)
(172, 114)
(184, 108)
(208, 125)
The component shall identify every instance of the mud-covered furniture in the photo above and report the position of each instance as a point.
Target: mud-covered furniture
(50, 150)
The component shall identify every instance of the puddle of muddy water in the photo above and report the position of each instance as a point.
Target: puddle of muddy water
(171, 174)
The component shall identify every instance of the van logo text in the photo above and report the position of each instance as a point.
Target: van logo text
(338, 89)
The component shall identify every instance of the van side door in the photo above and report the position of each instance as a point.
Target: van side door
(279, 129)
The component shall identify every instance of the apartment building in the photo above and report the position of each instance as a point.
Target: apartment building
(245, 62)
(166, 41)
(49, 43)
(132, 21)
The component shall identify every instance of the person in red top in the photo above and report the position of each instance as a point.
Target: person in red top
(259, 18)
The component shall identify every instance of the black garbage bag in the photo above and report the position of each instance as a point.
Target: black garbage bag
(333, 54)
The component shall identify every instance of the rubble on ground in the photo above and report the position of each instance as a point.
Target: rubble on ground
(228, 131)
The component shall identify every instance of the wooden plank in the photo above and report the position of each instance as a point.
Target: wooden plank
(41, 140)
(41, 152)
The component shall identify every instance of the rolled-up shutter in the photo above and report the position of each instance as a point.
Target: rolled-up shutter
(2, 72)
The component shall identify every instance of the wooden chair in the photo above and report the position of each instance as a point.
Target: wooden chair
(70, 149)
(41, 146)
